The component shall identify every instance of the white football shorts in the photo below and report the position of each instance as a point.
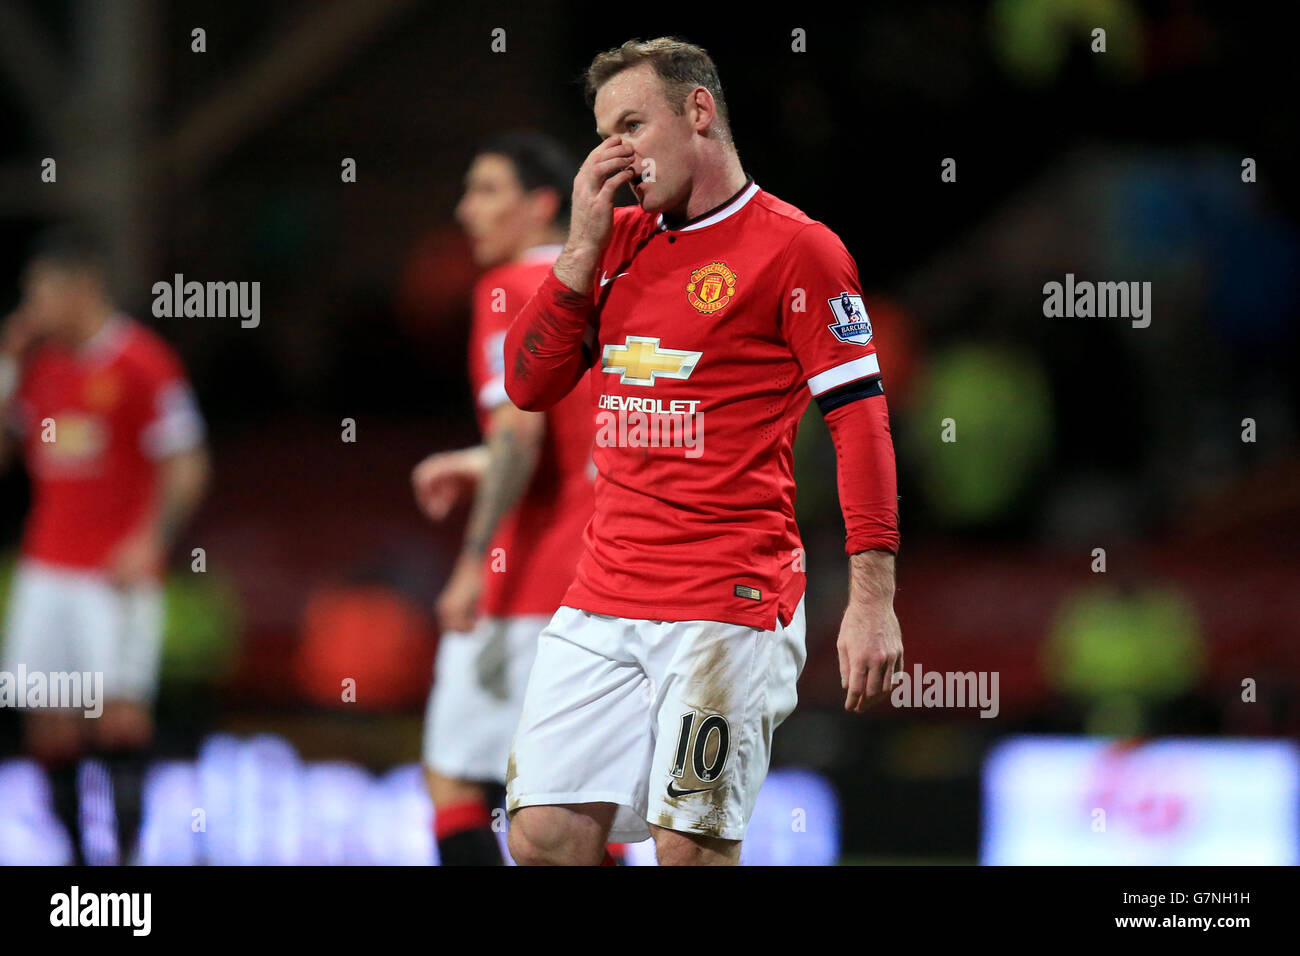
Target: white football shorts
(478, 691)
(670, 720)
(64, 620)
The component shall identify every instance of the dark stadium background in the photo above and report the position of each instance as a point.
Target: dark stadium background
(1073, 434)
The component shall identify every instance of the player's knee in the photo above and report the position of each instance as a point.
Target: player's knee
(529, 839)
(553, 836)
(53, 739)
(685, 849)
(536, 837)
(124, 725)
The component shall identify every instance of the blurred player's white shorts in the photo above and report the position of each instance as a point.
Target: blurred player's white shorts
(671, 720)
(62, 620)
(478, 691)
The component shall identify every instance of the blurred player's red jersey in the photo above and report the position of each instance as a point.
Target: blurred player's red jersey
(95, 420)
(541, 538)
(718, 325)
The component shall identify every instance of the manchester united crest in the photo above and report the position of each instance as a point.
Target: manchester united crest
(711, 287)
(102, 390)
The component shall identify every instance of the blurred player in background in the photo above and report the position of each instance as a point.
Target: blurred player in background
(709, 300)
(532, 500)
(113, 444)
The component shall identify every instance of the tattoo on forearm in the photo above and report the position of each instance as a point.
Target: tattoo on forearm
(174, 512)
(510, 468)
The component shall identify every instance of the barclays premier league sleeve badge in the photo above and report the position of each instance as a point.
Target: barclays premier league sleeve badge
(851, 323)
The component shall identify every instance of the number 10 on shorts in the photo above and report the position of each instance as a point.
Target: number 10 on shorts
(695, 743)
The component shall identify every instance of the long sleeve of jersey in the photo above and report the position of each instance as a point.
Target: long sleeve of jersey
(544, 349)
(864, 467)
(828, 330)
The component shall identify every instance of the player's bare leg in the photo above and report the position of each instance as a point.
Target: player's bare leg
(673, 848)
(563, 835)
(55, 739)
(462, 821)
(53, 735)
(125, 724)
(448, 791)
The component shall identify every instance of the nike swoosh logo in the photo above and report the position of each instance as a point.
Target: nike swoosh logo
(604, 282)
(675, 793)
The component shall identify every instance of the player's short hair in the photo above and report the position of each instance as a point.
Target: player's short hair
(75, 247)
(540, 162)
(681, 67)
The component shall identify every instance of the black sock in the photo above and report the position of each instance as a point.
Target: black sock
(494, 794)
(126, 769)
(464, 835)
(474, 847)
(67, 804)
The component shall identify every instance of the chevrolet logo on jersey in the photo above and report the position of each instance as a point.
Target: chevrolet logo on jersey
(641, 361)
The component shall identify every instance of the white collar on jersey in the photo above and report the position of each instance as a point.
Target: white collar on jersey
(547, 251)
(106, 340)
(729, 209)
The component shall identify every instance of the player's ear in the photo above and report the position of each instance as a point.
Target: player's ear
(546, 204)
(701, 108)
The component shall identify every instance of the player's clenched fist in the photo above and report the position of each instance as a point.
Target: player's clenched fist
(606, 168)
(443, 478)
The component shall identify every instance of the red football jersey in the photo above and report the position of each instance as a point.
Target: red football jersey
(532, 556)
(95, 421)
(712, 337)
